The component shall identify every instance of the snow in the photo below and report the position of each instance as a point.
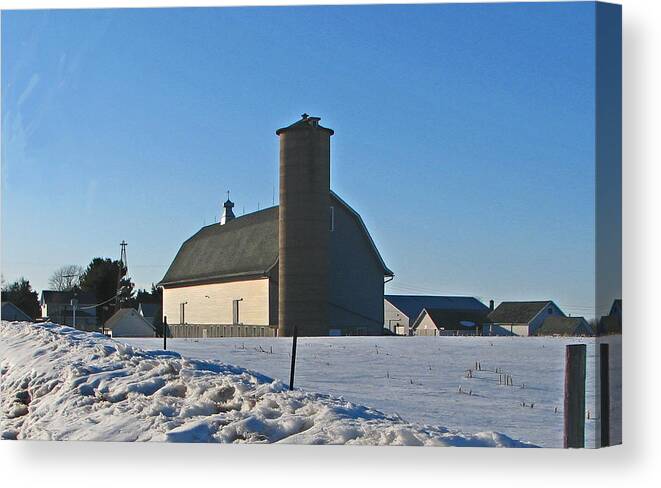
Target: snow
(59, 383)
(418, 378)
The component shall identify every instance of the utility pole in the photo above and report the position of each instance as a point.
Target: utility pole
(123, 270)
(74, 304)
(74, 301)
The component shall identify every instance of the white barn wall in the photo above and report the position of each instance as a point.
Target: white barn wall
(394, 319)
(212, 303)
(426, 327)
(537, 322)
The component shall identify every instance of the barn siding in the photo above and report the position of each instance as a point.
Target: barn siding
(394, 319)
(426, 327)
(356, 279)
(537, 322)
(217, 309)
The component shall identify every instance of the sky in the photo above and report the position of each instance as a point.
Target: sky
(464, 136)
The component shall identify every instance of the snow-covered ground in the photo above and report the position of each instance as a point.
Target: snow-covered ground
(418, 378)
(62, 384)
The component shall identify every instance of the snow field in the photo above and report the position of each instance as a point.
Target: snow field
(58, 383)
(418, 378)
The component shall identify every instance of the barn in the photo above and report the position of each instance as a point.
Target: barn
(307, 265)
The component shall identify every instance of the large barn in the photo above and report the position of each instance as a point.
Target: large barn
(308, 264)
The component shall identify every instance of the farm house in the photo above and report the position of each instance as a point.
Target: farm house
(520, 318)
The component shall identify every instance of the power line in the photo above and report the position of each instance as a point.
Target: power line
(99, 304)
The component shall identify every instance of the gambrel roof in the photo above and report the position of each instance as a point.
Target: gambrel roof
(246, 246)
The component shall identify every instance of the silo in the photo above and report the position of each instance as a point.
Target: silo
(304, 226)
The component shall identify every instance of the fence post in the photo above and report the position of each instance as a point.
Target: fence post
(165, 333)
(605, 400)
(293, 359)
(574, 408)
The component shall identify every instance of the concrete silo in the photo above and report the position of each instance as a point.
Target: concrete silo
(304, 226)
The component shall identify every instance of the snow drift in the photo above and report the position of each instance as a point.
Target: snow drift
(58, 383)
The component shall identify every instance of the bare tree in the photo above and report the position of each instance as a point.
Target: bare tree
(65, 277)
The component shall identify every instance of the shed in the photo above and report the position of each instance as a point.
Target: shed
(438, 322)
(127, 322)
(13, 313)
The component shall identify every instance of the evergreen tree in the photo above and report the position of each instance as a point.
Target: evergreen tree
(20, 293)
(101, 278)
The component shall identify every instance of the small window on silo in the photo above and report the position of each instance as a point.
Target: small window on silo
(332, 219)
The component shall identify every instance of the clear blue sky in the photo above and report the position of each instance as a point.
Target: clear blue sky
(464, 135)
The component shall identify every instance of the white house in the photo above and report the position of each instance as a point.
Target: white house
(520, 318)
(401, 311)
(57, 307)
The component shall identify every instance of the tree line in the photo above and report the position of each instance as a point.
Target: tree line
(105, 278)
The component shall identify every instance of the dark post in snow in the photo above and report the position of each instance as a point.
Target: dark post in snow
(293, 358)
(605, 395)
(165, 333)
(574, 408)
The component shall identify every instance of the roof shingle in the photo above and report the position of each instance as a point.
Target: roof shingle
(412, 305)
(245, 246)
(516, 312)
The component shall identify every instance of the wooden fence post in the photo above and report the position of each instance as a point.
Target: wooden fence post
(165, 333)
(574, 408)
(605, 400)
(293, 359)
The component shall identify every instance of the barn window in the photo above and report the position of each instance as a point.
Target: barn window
(235, 311)
(182, 315)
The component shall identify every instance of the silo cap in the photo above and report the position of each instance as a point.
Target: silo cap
(306, 122)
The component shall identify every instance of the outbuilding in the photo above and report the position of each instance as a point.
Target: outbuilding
(555, 325)
(442, 322)
(13, 313)
(401, 311)
(520, 318)
(127, 322)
